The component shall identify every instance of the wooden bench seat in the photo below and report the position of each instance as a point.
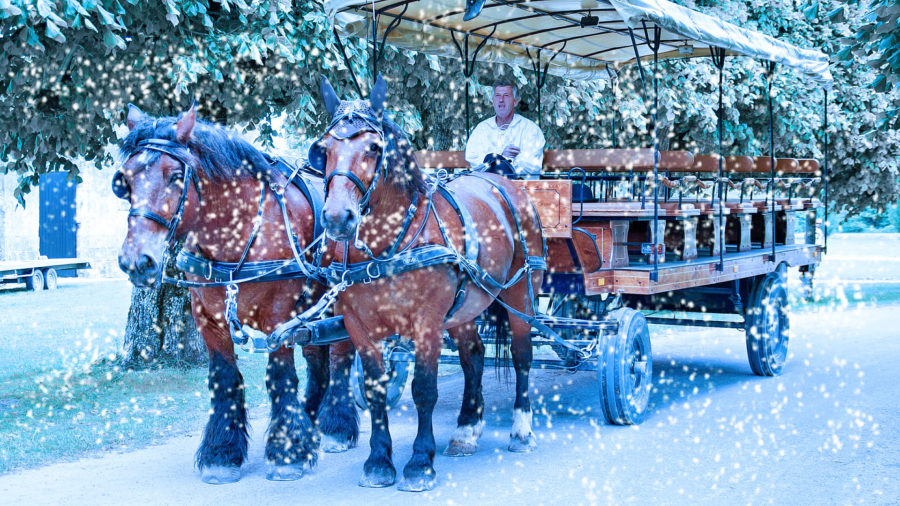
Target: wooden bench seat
(591, 160)
(632, 209)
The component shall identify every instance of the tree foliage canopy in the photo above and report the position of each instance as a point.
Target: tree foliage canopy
(877, 38)
(69, 67)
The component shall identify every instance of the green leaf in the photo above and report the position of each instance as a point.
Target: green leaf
(76, 5)
(44, 8)
(54, 33)
(812, 11)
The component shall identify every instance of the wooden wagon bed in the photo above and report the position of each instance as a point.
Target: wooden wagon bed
(610, 242)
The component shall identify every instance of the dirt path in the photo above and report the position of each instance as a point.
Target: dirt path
(825, 432)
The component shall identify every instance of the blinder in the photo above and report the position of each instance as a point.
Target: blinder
(120, 186)
(317, 156)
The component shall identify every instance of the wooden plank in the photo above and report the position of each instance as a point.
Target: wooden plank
(632, 209)
(616, 160)
(680, 275)
(553, 200)
(441, 159)
(733, 164)
(782, 165)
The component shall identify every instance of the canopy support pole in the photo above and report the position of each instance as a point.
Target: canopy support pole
(654, 44)
(770, 195)
(637, 56)
(614, 84)
(378, 48)
(825, 173)
(340, 46)
(718, 58)
(469, 64)
(541, 76)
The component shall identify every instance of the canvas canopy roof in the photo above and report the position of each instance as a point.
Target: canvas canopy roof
(521, 31)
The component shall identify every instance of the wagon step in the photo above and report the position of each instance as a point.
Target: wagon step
(560, 322)
(695, 322)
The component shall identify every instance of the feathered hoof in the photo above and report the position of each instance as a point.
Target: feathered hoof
(519, 444)
(378, 479)
(460, 449)
(220, 475)
(331, 444)
(284, 472)
(418, 484)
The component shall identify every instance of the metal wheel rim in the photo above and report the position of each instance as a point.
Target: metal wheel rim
(638, 371)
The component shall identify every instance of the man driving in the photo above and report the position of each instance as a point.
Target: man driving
(508, 143)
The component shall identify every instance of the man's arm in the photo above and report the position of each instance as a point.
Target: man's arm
(531, 152)
(476, 147)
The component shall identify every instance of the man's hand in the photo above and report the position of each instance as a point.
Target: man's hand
(511, 152)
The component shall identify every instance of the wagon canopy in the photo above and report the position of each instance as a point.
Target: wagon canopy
(582, 37)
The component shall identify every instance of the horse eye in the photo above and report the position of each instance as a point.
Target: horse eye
(176, 176)
(374, 148)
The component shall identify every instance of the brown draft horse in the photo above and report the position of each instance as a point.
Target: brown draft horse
(371, 181)
(187, 179)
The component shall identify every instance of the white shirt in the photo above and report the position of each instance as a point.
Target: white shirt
(521, 132)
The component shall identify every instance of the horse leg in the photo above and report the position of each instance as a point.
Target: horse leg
(224, 445)
(338, 420)
(378, 471)
(470, 423)
(291, 439)
(521, 438)
(418, 474)
(317, 379)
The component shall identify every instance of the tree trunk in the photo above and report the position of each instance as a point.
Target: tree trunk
(160, 329)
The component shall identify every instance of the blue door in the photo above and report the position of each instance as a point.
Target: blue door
(58, 232)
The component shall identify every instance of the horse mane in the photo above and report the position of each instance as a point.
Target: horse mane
(401, 167)
(223, 154)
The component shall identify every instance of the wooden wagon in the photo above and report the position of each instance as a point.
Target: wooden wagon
(635, 236)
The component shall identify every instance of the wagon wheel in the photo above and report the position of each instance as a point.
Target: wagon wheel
(35, 281)
(397, 371)
(50, 279)
(625, 369)
(767, 324)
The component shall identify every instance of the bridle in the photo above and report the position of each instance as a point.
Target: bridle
(346, 124)
(182, 154)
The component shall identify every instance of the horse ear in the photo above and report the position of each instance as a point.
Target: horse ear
(135, 116)
(329, 96)
(379, 92)
(185, 124)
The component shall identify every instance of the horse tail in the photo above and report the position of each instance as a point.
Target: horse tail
(497, 315)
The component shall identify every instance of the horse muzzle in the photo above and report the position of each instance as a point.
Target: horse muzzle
(340, 225)
(143, 272)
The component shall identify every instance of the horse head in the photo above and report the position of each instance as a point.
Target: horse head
(156, 178)
(361, 153)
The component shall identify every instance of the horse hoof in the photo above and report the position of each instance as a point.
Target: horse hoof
(418, 484)
(220, 475)
(377, 480)
(460, 449)
(285, 472)
(519, 444)
(330, 444)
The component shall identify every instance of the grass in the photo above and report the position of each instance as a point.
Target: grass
(63, 397)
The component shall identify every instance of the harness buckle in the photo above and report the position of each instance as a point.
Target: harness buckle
(372, 276)
(344, 279)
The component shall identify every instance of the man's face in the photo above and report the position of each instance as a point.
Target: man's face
(504, 102)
